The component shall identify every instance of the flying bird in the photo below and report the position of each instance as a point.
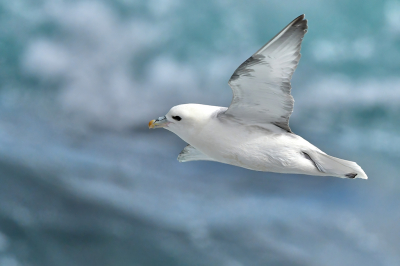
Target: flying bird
(253, 132)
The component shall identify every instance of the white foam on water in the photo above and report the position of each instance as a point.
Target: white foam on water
(94, 63)
(47, 59)
(360, 49)
(392, 16)
(340, 91)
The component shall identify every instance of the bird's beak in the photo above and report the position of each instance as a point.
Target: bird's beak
(158, 123)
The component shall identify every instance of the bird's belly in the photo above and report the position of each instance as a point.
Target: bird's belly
(262, 158)
(279, 153)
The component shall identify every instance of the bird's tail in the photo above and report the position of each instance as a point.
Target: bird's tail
(336, 167)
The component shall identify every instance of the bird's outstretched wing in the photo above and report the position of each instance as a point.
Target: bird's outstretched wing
(261, 85)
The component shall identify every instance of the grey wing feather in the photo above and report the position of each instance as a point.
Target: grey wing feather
(190, 153)
(261, 85)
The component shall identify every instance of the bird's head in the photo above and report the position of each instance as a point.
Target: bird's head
(184, 119)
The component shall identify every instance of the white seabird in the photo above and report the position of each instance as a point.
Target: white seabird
(254, 131)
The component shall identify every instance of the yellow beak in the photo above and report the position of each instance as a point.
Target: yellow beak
(159, 122)
(151, 123)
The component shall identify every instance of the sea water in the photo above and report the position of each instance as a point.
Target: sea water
(84, 182)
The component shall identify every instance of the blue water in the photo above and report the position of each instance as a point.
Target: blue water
(84, 182)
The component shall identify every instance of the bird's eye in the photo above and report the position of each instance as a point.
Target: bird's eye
(177, 118)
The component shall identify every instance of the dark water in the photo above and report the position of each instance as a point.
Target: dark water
(83, 182)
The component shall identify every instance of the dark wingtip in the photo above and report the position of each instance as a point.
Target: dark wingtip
(299, 18)
(301, 21)
(351, 175)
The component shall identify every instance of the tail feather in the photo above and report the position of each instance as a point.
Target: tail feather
(335, 166)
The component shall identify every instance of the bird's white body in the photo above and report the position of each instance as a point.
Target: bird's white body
(255, 148)
(270, 149)
(254, 131)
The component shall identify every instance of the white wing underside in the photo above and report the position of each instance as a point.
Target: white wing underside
(261, 85)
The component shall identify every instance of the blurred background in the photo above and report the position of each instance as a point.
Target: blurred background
(84, 182)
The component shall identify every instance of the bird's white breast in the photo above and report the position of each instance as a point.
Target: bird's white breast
(252, 147)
